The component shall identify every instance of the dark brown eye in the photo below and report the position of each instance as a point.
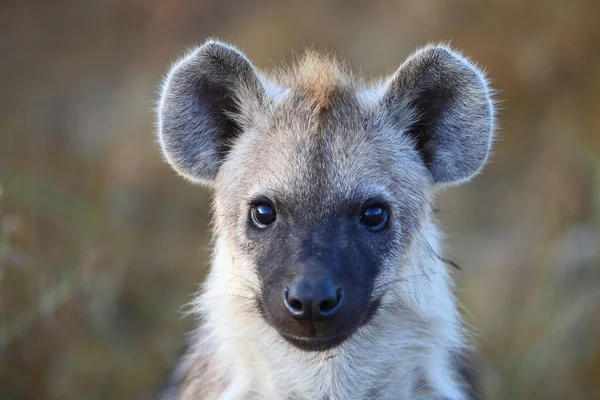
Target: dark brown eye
(374, 217)
(262, 215)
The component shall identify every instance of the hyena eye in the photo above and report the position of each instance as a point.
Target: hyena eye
(262, 215)
(374, 217)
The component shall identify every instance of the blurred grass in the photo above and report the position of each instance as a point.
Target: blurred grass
(101, 244)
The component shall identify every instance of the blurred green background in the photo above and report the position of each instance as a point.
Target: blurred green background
(101, 244)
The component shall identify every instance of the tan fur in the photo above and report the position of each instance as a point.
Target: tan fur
(320, 79)
(198, 382)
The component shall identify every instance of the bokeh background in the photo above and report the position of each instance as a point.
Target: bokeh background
(101, 244)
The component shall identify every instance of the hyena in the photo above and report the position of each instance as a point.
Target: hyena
(327, 280)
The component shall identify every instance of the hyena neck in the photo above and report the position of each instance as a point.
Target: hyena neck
(407, 352)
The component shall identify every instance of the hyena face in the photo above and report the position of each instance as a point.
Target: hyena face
(321, 184)
(308, 200)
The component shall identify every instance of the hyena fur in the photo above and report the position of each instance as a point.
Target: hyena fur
(327, 280)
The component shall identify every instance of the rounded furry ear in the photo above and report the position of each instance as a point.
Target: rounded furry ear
(202, 104)
(450, 113)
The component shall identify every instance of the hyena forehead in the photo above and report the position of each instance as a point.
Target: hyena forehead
(319, 137)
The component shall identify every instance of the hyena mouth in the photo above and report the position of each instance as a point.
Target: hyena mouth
(315, 343)
(314, 336)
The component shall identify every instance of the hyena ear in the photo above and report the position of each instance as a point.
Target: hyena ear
(449, 108)
(204, 101)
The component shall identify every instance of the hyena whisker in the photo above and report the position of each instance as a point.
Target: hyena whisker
(228, 295)
(248, 281)
(244, 305)
(379, 294)
(240, 296)
(240, 284)
(443, 259)
(449, 262)
(404, 279)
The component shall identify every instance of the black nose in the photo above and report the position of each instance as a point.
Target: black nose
(308, 299)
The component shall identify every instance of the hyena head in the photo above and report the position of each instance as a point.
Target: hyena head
(321, 184)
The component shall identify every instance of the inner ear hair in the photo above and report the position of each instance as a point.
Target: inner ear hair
(446, 100)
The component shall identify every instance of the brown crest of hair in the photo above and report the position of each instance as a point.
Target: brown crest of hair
(320, 80)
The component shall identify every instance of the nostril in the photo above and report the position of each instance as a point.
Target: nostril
(331, 305)
(327, 305)
(292, 303)
(295, 305)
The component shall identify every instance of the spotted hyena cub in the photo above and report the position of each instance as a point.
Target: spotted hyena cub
(327, 280)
